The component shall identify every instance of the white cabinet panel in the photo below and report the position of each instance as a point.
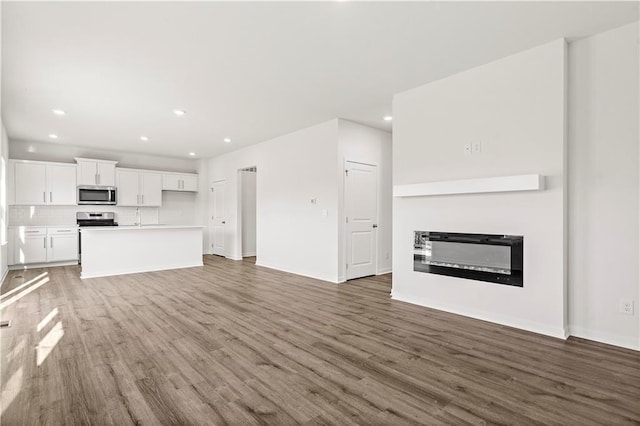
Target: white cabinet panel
(61, 185)
(139, 188)
(30, 183)
(30, 246)
(151, 189)
(190, 183)
(171, 182)
(128, 188)
(179, 182)
(62, 246)
(39, 183)
(106, 174)
(96, 172)
(42, 245)
(87, 173)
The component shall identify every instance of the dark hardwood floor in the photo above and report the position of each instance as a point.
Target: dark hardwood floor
(233, 343)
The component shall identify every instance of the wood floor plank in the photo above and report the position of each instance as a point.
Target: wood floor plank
(233, 343)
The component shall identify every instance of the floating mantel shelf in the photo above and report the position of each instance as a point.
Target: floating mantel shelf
(472, 186)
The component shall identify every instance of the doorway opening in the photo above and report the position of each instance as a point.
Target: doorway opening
(218, 221)
(247, 179)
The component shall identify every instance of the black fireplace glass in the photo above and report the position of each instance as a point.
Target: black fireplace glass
(482, 257)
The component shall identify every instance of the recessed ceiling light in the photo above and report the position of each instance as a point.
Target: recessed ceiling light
(58, 112)
(227, 140)
(192, 154)
(52, 136)
(144, 138)
(179, 112)
(387, 118)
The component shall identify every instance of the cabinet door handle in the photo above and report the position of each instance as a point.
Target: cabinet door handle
(142, 197)
(44, 242)
(44, 197)
(51, 197)
(31, 232)
(98, 178)
(95, 177)
(51, 242)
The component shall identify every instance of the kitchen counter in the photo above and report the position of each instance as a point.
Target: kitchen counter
(116, 250)
(140, 227)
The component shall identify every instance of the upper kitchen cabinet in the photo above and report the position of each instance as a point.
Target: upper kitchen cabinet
(96, 172)
(42, 183)
(179, 182)
(139, 188)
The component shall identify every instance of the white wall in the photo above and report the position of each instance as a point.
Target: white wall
(4, 156)
(292, 234)
(364, 144)
(248, 206)
(516, 108)
(603, 186)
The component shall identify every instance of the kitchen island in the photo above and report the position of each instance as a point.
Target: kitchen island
(116, 250)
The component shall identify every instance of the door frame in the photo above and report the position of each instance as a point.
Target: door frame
(210, 216)
(345, 234)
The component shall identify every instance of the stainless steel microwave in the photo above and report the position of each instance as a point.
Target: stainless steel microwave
(92, 194)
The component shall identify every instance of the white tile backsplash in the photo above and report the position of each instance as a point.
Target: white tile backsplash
(66, 215)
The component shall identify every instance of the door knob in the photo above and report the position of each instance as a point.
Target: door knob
(375, 226)
(224, 221)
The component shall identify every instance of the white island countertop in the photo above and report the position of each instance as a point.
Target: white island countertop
(139, 227)
(116, 250)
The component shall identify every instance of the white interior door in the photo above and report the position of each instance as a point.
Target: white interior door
(361, 200)
(218, 217)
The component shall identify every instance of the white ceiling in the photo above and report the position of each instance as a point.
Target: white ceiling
(248, 71)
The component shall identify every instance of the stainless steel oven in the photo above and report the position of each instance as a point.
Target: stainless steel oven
(96, 195)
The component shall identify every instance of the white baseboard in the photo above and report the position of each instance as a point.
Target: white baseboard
(42, 265)
(607, 338)
(250, 254)
(297, 273)
(546, 329)
(384, 271)
(233, 258)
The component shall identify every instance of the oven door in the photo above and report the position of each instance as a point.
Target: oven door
(96, 195)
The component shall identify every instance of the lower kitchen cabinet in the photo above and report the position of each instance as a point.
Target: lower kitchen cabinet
(31, 244)
(63, 244)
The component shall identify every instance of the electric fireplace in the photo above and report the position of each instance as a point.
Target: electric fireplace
(481, 257)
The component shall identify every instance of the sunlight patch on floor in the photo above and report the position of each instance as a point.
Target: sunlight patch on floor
(47, 319)
(11, 390)
(23, 293)
(48, 342)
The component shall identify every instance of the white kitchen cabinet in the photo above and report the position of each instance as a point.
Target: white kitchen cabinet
(96, 172)
(139, 188)
(61, 183)
(43, 245)
(150, 189)
(30, 246)
(42, 183)
(63, 244)
(180, 182)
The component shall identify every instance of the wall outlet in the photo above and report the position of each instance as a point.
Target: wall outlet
(467, 149)
(476, 147)
(626, 306)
